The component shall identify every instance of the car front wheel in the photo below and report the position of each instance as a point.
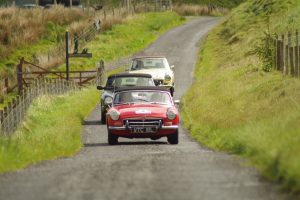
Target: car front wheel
(103, 117)
(172, 90)
(111, 138)
(173, 139)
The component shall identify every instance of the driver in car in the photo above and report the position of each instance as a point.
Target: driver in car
(126, 97)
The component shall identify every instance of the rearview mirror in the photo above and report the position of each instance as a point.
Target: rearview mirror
(100, 87)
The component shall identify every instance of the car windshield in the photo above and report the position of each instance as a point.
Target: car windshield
(149, 63)
(129, 81)
(153, 97)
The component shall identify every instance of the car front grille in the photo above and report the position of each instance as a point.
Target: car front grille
(155, 123)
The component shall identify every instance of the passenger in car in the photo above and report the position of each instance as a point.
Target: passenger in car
(126, 97)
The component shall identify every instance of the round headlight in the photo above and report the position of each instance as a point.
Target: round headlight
(171, 114)
(167, 77)
(108, 100)
(114, 115)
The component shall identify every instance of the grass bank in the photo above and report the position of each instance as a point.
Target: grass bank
(52, 128)
(235, 106)
(217, 3)
(136, 33)
(53, 125)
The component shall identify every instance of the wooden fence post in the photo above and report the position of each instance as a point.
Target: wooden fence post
(297, 55)
(20, 75)
(282, 54)
(291, 55)
(6, 86)
(100, 73)
(1, 120)
(286, 59)
(276, 45)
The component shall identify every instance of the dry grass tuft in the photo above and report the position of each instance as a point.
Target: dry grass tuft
(198, 10)
(19, 27)
(109, 22)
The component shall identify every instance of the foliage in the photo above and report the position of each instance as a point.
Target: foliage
(217, 3)
(122, 40)
(198, 10)
(52, 129)
(265, 50)
(235, 106)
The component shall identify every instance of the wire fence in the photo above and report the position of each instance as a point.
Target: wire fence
(13, 114)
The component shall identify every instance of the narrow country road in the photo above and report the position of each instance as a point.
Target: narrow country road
(144, 169)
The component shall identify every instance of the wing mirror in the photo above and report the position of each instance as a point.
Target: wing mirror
(176, 102)
(100, 87)
(172, 66)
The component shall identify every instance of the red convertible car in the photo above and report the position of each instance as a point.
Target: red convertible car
(142, 112)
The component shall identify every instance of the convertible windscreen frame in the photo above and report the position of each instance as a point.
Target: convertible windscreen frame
(143, 97)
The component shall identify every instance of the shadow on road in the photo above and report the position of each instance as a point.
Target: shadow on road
(91, 122)
(126, 143)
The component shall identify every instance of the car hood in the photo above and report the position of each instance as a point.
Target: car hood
(156, 73)
(143, 110)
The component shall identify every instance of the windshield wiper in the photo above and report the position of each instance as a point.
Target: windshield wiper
(128, 103)
(143, 100)
(159, 103)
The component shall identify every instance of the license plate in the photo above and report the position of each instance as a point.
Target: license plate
(144, 130)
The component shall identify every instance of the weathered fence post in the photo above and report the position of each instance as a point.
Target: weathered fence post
(282, 59)
(286, 55)
(100, 73)
(1, 120)
(291, 55)
(20, 75)
(6, 86)
(297, 55)
(276, 45)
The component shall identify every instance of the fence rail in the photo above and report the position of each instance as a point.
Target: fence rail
(287, 54)
(13, 114)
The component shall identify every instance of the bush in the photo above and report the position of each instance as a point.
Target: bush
(265, 50)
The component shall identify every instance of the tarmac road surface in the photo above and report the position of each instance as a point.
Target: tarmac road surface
(143, 169)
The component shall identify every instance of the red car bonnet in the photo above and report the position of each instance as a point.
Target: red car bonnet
(137, 110)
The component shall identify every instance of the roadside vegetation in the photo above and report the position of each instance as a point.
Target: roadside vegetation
(122, 40)
(216, 3)
(234, 105)
(53, 125)
(51, 129)
(199, 10)
(24, 32)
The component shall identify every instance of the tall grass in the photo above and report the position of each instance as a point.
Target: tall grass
(235, 106)
(217, 3)
(137, 32)
(199, 10)
(25, 26)
(52, 128)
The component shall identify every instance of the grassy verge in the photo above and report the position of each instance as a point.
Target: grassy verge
(53, 124)
(133, 35)
(51, 129)
(235, 106)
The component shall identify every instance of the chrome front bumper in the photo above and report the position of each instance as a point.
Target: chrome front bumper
(122, 128)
